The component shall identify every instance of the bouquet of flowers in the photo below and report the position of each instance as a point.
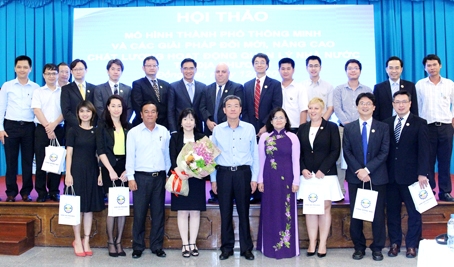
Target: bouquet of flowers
(196, 159)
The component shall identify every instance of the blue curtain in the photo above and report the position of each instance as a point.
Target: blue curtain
(410, 29)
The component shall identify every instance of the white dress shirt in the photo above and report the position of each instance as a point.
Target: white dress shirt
(294, 101)
(48, 101)
(435, 100)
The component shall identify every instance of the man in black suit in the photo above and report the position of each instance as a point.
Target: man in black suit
(149, 88)
(366, 146)
(261, 95)
(215, 93)
(384, 91)
(103, 91)
(185, 93)
(74, 93)
(406, 165)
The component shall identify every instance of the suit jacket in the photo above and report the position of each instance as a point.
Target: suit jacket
(69, 99)
(104, 91)
(105, 142)
(377, 152)
(384, 99)
(326, 149)
(142, 91)
(408, 158)
(207, 107)
(179, 100)
(176, 144)
(270, 98)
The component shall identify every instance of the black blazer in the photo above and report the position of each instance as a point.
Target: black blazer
(270, 98)
(384, 99)
(179, 100)
(377, 152)
(176, 144)
(105, 142)
(142, 91)
(103, 92)
(207, 106)
(408, 158)
(326, 149)
(69, 99)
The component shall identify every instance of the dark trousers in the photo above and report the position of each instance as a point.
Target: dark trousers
(396, 193)
(440, 138)
(53, 180)
(378, 225)
(150, 194)
(20, 136)
(234, 185)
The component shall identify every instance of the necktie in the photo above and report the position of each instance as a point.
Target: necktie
(257, 98)
(82, 91)
(364, 138)
(397, 130)
(156, 90)
(115, 89)
(190, 91)
(216, 105)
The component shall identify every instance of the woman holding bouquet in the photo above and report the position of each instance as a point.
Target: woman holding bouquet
(188, 207)
(279, 151)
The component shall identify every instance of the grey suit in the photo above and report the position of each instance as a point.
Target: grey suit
(104, 91)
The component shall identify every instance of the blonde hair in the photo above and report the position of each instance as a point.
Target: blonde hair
(317, 100)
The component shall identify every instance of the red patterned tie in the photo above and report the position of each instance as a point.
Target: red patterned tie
(257, 98)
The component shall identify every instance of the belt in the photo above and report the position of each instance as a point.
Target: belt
(438, 124)
(152, 174)
(20, 122)
(233, 168)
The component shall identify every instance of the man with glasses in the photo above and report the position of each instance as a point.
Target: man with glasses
(49, 126)
(150, 88)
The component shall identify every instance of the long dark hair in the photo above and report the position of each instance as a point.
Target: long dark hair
(108, 117)
(270, 127)
(184, 114)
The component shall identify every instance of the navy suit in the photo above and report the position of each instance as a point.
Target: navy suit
(270, 98)
(208, 106)
(104, 91)
(179, 100)
(377, 153)
(384, 99)
(406, 161)
(142, 91)
(69, 99)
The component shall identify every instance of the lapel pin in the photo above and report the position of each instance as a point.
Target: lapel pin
(160, 86)
(266, 86)
(321, 128)
(408, 124)
(88, 91)
(402, 86)
(373, 130)
(225, 91)
(121, 91)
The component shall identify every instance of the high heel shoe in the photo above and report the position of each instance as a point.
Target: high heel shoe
(194, 251)
(81, 254)
(89, 252)
(310, 254)
(120, 251)
(112, 254)
(321, 255)
(185, 253)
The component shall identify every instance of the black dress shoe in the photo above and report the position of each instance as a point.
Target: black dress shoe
(446, 197)
(213, 198)
(310, 254)
(225, 255)
(248, 255)
(358, 255)
(377, 256)
(394, 250)
(26, 198)
(55, 197)
(159, 253)
(136, 254)
(321, 255)
(41, 199)
(10, 199)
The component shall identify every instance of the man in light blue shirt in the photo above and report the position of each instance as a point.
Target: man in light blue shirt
(235, 176)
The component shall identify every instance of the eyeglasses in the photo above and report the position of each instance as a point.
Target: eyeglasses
(313, 66)
(278, 118)
(188, 68)
(368, 104)
(259, 63)
(401, 102)
(353, 68)
(151, 66)
(81, 69)
(51, 73)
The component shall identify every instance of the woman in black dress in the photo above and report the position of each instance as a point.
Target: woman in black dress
(82, 172)
(187, 206)
(111, 145)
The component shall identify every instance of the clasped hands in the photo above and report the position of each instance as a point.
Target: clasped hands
(363, 175)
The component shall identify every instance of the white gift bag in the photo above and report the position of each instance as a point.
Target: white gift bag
(69, 208)
(365, 203)
(313, 199)
(118, 201)
(54, 159)
(424, 199)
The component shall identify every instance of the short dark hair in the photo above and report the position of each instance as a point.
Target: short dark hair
(149, 103)
(262, 55)
(89, 105)
(402, 92)
(313, 57)
(150, 58)
(270, 127)
(287, 60)
(61, 64)
(231, 97)
(124, 112)
(354, 61)
(184, 114)
(75, 61)
(188, 60)
(395, 58)
(431, 57)
(21, 58)
(50, 66)
(368, 95)
(117, 62)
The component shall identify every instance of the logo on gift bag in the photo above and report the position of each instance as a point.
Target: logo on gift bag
(120, 199)
(68, 208)
(365, 203)
(53, 157)
(423, 194)
(313, 197)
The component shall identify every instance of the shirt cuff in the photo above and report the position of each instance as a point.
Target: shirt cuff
(367, 170)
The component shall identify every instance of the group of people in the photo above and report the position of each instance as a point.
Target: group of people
(276, 140)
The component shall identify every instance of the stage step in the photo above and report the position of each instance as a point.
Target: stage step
(17, 235)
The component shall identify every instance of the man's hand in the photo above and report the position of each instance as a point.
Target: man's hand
(261, 187)
(423, 181)
(214, 187)
(261, 131)
(211, 124)
(2, 136)
(253, 187)
(362, 174)
(132, 185)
